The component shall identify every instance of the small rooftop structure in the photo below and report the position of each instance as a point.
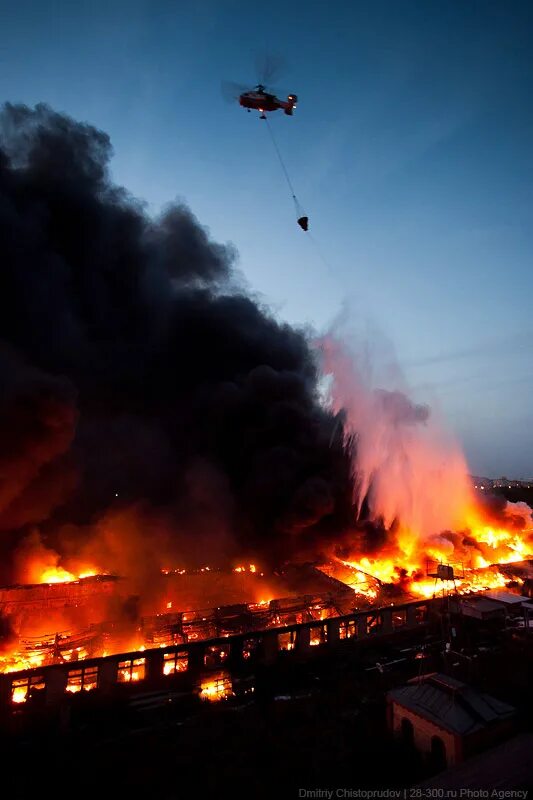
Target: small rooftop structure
(489, 605)
(447, 718)
(449, 571)
(452, 704)
(479, 607)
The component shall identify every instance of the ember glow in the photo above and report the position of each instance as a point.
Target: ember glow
(216, 688)
(19, 694)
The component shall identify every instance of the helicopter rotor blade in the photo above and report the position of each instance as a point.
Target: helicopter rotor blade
(268, 67)
(231, 91)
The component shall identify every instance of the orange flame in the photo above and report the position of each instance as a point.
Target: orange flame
(58, 574)
(473, 553)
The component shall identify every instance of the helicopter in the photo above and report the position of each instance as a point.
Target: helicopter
(264, 100)
(259, 99)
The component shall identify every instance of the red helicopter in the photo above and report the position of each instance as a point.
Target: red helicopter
(259, 99)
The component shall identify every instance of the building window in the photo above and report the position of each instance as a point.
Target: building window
(250, 648)
(216, 654)
(216, 688)
(399, 618)
(318, 634)
(374, 623)
(175, 662)
(287, 641)
(132, 670)
(23, 688)
(347, 629)
(421, 614)
(78, 679)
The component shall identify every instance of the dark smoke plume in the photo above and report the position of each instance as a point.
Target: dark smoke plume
(135, 380)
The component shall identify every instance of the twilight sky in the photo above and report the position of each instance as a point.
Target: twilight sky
(411, 151)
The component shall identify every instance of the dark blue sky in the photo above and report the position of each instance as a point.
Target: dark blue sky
(411, 150)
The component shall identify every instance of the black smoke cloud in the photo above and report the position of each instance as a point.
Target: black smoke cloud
(133, 376)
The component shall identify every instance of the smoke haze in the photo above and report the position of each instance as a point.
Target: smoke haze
(409, 470)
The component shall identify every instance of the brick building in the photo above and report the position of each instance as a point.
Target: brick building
(446, 719)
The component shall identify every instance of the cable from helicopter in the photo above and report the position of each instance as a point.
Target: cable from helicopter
(301, 217)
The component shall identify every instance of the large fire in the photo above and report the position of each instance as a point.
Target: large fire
(60, 575)
(39, 564)
(154, 418)
(49, 630)
(424, 518)
(409, 559)
(414, 479)
(474, 553)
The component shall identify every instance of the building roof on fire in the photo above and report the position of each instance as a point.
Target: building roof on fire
(451, 704)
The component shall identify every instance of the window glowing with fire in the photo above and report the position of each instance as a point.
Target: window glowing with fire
(250, 648)
(175, 662)
(318, 634)
(399, 618)
(287, 641)
(215, 655)
(84, 679)
(217, 687)
(132, 670)
(23, 688)
(347, 629)
(374, 623)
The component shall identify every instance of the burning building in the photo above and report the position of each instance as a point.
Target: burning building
(174, 490)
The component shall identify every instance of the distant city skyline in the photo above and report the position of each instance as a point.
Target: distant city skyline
(502, 482)
(410, 150)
